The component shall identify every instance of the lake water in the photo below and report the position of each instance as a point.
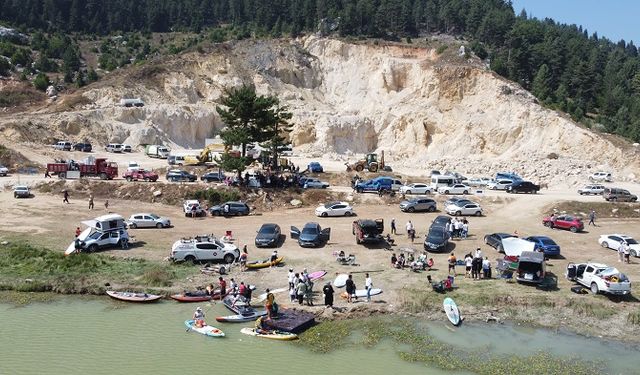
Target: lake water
(101, 336)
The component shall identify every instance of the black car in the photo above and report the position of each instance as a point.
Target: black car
(495, 240)
(177, 175)
(213, 177)
(437, 240)
(84, 147)
(312, 235)
(440, 221)
(523, 187)
(268, 235)
(230, 209)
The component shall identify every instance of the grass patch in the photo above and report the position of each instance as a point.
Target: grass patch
(634, 317)
(158, 275)
(603, 209)
(590, 309)
(17, 96)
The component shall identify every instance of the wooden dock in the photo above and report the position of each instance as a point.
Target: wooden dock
(289, 320)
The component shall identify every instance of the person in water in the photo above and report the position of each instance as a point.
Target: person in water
(198, 317)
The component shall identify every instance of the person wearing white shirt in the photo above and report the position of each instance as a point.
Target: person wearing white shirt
(468, 262)
(290, 277)
(486, 268)
(368, 284)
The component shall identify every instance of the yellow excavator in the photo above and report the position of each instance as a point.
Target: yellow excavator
(206, 156)
(370, 163)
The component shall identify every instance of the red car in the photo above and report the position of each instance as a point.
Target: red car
(572, 223)
(140, 174)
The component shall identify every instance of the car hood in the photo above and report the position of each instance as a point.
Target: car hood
(309, 237)
(265, 236)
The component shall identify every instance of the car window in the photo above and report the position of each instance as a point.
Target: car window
(589, 269)
(137, 217)
(205, 246)
(631, 241)
(615, 238)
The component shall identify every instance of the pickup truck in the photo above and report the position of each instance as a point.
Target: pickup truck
(140, 174)
(367, 231)
(600, 278)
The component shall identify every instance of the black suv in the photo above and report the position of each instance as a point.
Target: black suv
(85, 147)
(177, 175)
(523, 187)
(230, 209)
(213, 177)
(437, 240)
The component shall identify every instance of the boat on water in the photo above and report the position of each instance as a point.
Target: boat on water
(206, 330)
(272, 335)
(197, 296)
(264, 263)
(133, 297)
(243, 311)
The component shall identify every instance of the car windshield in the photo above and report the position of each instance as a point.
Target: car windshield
(436, 235)
(330, 204)
(154, 216)
(631, 241)
(268, 229)
(309, 230)
(547, 241)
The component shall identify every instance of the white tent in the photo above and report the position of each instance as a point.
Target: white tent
(514, 246)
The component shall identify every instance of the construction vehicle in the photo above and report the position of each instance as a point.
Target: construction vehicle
(206, 156)
(90, 168)
(370, 163)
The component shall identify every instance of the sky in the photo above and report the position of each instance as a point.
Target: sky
(613, 19)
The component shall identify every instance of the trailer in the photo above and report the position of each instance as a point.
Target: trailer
(100, 167)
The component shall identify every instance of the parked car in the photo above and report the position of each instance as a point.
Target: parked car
(377, 184)
(334, 209)
(133, 166)
(456, 201)
(479, 181)
(126, 148)
(418, 204)
(213, 177)
(599, 278)
(147, 220)
(62, 146)
(268, 235)
(3, 170)
(192, 205)
(140, 174)
(83, 146)
(231, 208)
(203, 249)
(311, 235)
(455, 189)
(495, 240)
(531, 268)
(416, 188)
(523, 187)
(591, 190)
(545, 244)
(314, 183)
(613, 241)
(618, 195)
(97, 240)
(464, 209)
(368, 231)
(601, 177)
(572, 223)
(315, 167)
(178, 175)
(437, 239)
(21, 191)
(114, 147)
(500, 184)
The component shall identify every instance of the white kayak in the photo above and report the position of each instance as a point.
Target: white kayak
(341, 280)
(362, 293)
(207, 330)
(451, 309)
(273, 335)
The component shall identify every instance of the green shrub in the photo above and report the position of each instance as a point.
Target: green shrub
(41, 82)
(215, 196)
(441, 49)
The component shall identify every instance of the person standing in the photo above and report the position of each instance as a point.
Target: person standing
(290, 277)
(308, 295)
(223, 287)
(393, 226)
(78, 231)
(486, 268)
(627, 252)
(91, 201)
(465, 229)
(233, 286)
(66, 197)
(409, 228)
(124, 239)
(468, 262)
(452, 264)
(368, 284)
(328, 294)
(592, 218)
(350, 286)
(243, 258)
(301, 290)
(46, 174)
(106, 205)
(621, 252)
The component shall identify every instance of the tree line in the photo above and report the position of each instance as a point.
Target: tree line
(592, 78)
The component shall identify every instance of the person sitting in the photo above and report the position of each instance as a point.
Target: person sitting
(394, 260)
(430, 263)
(341, 257)
(198, 317)
(390, 240)
(401, 262)
(260, 327)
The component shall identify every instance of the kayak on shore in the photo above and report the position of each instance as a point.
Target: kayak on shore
(207, 330)
(272, 335)
(197, 296)
(264, 263)
(133, 297)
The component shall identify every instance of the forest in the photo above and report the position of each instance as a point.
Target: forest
(594, 79)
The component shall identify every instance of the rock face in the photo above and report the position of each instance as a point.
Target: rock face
(425, 111)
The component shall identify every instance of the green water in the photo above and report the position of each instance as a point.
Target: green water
(100, 336)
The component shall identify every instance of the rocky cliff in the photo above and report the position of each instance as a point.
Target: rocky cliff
(426, 111)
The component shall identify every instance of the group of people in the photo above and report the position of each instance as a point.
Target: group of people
(476, 266)
(458, 228)
(624, 253)
(300, 287)
(416, 264)
(350, 287)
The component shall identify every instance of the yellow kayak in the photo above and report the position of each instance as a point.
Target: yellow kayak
(274, 335)
(263, 263)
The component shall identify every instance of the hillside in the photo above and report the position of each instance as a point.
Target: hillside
(425, 110)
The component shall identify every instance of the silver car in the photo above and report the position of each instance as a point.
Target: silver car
(591, 189)
(146, 220)
(418, 204)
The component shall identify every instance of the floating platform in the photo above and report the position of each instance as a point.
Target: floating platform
(294, 321)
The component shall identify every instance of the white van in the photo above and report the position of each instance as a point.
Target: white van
(438, 181)
(114, 147)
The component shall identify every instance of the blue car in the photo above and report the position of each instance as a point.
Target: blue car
(315, 167)
(311, 235)
(545, 244)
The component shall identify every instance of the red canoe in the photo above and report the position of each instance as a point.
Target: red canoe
(199, 296)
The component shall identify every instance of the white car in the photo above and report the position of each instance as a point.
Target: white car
(591, 189)
(599, 278)
(416, 188)
(21, 191)
(613, 241)
(479, 181)
(499, 184)
(601, 177)
(3, 170)
(126, 148)
(147, 220)
(335, 209)
(189, 205)
(455, 189)
(133, 166)
(314, 183)
(203, 249)
(464, 209)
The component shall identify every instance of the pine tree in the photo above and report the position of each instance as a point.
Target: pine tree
(541, 86)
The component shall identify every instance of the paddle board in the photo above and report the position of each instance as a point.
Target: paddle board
(341, 280)
(451, 309)
(362, 293)
(274, 335)
(317, 275)
(206, 330)
(263, 296)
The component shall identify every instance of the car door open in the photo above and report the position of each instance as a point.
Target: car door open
(326, 234)
(295, 232)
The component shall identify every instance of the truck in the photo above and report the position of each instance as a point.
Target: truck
(99, 167)
(368, 231)
(599, 278)
(157, 151)
(370, 163)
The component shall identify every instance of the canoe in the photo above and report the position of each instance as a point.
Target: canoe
(199, 296)
(133, 297)
(451, 309)
(341, 280)
(317, 275)
(274, 335)
(263, 263)
(206, 330)
(362, 293)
